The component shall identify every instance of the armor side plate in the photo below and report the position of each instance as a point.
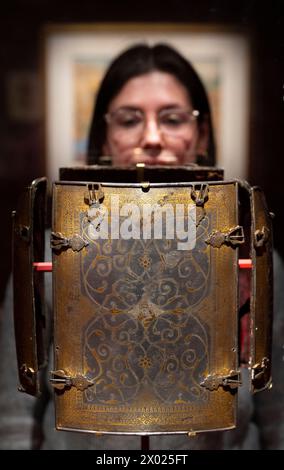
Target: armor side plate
(262, 292)
(29, 317)
(145, 328)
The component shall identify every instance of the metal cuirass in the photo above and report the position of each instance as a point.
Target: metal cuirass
(145, 271)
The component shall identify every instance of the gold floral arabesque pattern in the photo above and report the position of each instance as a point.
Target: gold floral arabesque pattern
(119, 273)
(166, 360)
(144, 337)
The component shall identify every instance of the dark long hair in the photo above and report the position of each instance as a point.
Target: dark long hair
(139, 60)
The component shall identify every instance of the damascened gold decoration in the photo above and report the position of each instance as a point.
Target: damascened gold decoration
(137, 317)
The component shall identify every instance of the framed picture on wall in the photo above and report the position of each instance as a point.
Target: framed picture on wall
(76, 56)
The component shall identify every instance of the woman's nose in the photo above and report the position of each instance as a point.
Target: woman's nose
(151, 134)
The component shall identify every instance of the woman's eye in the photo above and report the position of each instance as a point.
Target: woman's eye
(129, 121)
(173, 119)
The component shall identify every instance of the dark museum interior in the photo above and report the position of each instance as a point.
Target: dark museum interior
(22, 142)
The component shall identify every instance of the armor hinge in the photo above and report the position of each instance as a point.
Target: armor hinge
(59, 242)
(261, 237)
(199, 193)
(232, 380)
(23, 231)
(60, 380)
(259, 369)
(29, 374)
(94, 194)
(145, 186)
(235, 236)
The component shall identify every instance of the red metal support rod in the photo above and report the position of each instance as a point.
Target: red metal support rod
(47, 266)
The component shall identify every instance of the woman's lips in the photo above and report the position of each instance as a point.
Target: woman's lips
(163, 158)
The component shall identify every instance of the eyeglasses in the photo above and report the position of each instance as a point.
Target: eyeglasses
(131, 122)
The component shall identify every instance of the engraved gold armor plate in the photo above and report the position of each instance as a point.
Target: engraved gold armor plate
(145, 332)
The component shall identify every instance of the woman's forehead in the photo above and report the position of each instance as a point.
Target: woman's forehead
(154, 89)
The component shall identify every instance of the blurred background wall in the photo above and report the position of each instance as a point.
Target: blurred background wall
(22, 140)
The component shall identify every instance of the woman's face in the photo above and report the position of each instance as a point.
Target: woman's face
(152, 121)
